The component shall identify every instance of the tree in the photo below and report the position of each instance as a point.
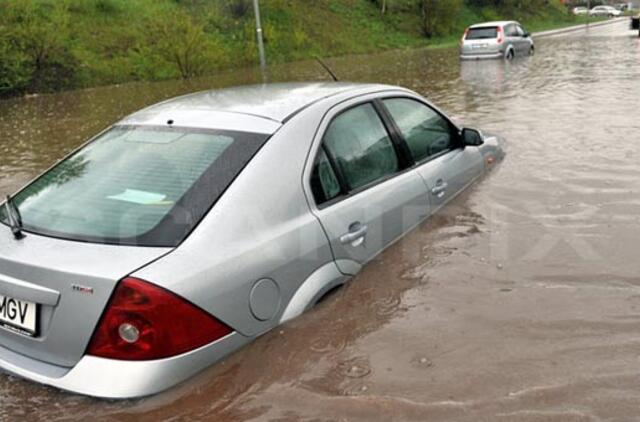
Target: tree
(180, 41)
(439, 16)
(383, 6)
(238, 8)
(35, 35)
(15, 73)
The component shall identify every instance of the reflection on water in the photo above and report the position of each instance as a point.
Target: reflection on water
(484, 76)
(519, 302)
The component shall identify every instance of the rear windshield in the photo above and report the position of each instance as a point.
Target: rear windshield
(482, 33)
(144, 186)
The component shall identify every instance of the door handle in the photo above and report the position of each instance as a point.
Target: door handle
(440, 189)
(357, 232)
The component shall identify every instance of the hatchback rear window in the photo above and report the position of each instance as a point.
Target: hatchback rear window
(482, 33)
(133, 185)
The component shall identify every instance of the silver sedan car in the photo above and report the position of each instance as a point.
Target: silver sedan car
(608, 11)
(190, 228)
(495, 40)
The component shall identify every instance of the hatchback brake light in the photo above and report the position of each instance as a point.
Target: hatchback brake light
(500, 35)
(464, 36)
(144, 322)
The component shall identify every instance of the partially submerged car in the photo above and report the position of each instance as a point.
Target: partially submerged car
(579, 11)
(608, 11)
(190, 228)
(496, 40)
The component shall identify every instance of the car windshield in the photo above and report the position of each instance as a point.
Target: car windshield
(133, 185)
(482, 33)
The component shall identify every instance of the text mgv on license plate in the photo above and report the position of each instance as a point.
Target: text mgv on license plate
(18, 315)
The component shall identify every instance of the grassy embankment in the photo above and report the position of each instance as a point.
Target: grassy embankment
(48, 45)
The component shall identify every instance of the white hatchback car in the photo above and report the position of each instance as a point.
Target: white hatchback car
(494, 40)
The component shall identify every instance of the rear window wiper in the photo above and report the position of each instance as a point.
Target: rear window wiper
(15, 219)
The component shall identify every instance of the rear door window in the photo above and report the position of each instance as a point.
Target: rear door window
(425, 131)
(482, 33)
(324, 182)
(361, 147)
(136, 185)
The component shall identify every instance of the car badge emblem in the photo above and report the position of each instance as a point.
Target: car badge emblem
(82, 289)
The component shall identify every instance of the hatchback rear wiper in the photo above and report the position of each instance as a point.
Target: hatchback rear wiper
(15, 219)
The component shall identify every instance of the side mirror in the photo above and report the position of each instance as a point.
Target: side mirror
(472, 137)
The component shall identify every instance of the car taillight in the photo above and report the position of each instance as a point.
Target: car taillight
(464, 37)
(143, 322)
(500, 35)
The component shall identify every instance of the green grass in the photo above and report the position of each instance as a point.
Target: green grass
(96, 42)
(548, 21)
(546, 25)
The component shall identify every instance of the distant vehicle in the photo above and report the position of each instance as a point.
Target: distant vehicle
(605, 11)
(494, 40)
(579, 11)
(192, 227)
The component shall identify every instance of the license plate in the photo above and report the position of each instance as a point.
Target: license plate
(478, 46)
(18, 315)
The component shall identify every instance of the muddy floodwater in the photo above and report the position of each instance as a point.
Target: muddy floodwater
(518, 302)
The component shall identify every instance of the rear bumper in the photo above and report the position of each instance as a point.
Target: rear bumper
(117, 379)
(497, 55)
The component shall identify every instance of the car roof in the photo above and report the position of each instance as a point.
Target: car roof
(265, 106)
(492, 24)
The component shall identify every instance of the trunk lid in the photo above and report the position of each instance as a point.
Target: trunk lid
(70, 282)
(480, 40)
(480, 46)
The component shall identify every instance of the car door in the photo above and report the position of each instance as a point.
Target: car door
(365, 193)
(524, 43)
(511, 36)
(445, 164)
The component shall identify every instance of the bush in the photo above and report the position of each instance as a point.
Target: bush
(182, 43)
(50, 45)
(107, 6)
(238, 8)
(439, 16)
(15, 74)
(35, 37)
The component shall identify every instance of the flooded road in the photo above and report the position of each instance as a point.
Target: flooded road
(518, 302)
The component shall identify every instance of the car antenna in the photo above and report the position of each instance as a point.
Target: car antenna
(328, 69)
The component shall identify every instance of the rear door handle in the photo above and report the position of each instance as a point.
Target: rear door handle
(355, 237)
(440, 189)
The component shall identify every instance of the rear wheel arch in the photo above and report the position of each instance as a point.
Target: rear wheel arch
(509, 53)
(319, 283)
